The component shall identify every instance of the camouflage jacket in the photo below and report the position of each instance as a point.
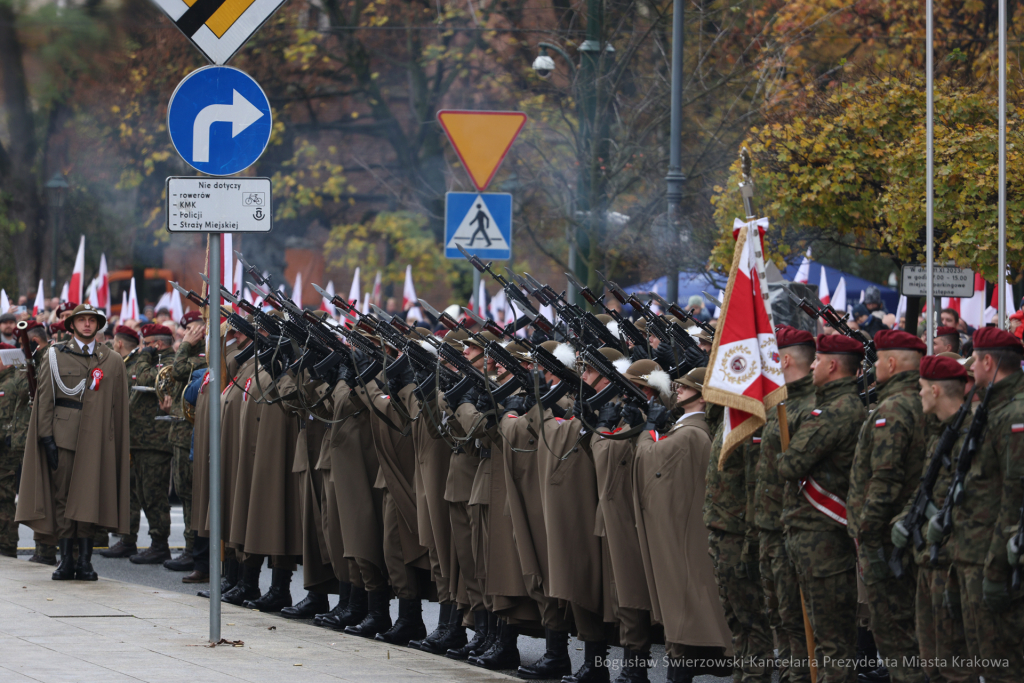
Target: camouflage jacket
(725, 498)
(769, 490)
(15, 406)
(822, 449)
(143, 407)
(992, 489)
(187, 360)
(890, 454)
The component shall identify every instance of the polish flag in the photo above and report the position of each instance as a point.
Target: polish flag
(377, 292)
(353, 292)
(5, 303)
(839, 298)
(103, 286)
(297, 290)
(133, 303)
(366, 304)
(972, 311)
(823, 288)
(124, 308)
(91, 295)
(803, 273)
(744, 374)
(901, 310)
(77, 276)
(408, 291)
(40, 303)
(325, 302)
(64, 294)
(175, 308)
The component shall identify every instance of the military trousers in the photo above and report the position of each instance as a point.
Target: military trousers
(60, 480)
(152, 480)
(891, 604)
(995, 640)
(743, 601)
(462, 537)
(825, 564)
(782, 593)
(10, 463)
(940, 628)
(181, 468)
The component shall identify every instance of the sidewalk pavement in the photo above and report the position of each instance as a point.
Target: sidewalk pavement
(113, 632)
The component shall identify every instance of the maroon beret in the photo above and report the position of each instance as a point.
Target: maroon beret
(126, 331)
(33, 324)
(58, 326)
(892, 340)
(66, 307)
(837, 343)
(936, 368)
(190, 317)
(790, 336)
(995, 338)
(944, 331)
(155, 330)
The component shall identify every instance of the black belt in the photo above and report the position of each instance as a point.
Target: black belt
(68, 403)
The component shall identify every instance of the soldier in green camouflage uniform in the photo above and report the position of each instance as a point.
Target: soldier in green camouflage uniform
(151, 458)
(191, 356)
(939, 622)
(778, 576)
(885, 474)
(736, 570)
(13, 404)
(993, 613)
(817, 465)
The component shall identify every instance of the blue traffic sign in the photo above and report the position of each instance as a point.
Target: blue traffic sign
(481, 223)
(219, 120)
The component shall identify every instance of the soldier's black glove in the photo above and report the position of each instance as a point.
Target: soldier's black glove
(584, 412)
(50, 449)
(470, 397)
(399, 376)
(424, 376)
(343, 373)
(362, 361)
(608, 416)
(664, 355)
(657, 416)
(484, 402)
(538, 336)
(697, 357)
(638, 353)
(633, 416)
(426, 383)
(520, 405)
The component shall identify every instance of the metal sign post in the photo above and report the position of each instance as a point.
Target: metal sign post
(213, 356)
(929, 190)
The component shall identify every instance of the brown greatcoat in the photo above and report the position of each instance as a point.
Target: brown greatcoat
(569, 496)
(274, 525)
(98, 433)
(348, 454)
(668, 496)
(397, 456)
(249, 421)
(616, 520)
(230, 424)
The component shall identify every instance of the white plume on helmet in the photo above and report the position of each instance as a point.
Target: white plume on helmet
(659, 380)
(564, 353)
(427, 346)
(622, 364)
(613, 327)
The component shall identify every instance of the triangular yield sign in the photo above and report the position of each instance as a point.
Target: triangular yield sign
(481, 139)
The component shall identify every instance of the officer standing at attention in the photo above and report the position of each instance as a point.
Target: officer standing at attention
(75, 476)
(885, 474)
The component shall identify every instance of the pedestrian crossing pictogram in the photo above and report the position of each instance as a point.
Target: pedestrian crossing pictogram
(218, 28)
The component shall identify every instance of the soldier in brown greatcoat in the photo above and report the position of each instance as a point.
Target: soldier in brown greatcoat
(75, 476)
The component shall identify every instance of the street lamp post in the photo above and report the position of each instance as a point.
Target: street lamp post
(56, 188)
(675, 178)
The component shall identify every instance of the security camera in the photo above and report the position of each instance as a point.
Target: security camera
(543, 65)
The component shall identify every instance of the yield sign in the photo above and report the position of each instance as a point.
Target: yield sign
(481, 139)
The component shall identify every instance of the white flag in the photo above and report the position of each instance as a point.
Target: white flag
(133, 303)
(353, 292)
(297, 290)
(64, 294)
(823, 288)
(803, 273)
(839, 298)
(103, 286)
(5, 303)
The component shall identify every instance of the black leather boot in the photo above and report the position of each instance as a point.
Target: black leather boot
(378, 616)
(181, 563)
(278, 596)
(227, 582)
(354, 612)
(247, 588)
(504, 654)
(555, 663)
(157, 552)
(677, 673)
(867, 651)
(428, 644)
(477, 645)
(879, 675)
(454, 635)
(84, 570)
(120, 550)
(594, 669)
(408, 626)
(308, 607)
(344, 590)
(634, 666)
(66, 569)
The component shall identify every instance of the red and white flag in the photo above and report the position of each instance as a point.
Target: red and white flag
(409, 300)
(823, 288)
(175, 308)
(91, 295)
(839, 298)
(103, 286)
(325, 302)
(64, 294)
(378, 293)
(75, 289)
(803, 273)
(744, 374)
(5, 303)
(366, 304)
(297, 290)
(133, 304)
(123, 315)
(40, 303)
(353, 291)
(972, 310)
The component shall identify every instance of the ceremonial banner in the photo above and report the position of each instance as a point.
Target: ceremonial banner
(744, 374)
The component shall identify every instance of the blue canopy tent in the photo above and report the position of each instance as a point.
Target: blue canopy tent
(689, 284)
(854, 285)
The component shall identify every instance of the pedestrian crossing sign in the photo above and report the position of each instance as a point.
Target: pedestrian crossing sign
(218, 28)
(480, 223)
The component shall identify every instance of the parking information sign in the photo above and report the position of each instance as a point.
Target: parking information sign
(480, 222)
(219, 120)
(947, 281)
(218, 204)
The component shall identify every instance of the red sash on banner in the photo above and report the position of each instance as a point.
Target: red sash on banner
(829, 504)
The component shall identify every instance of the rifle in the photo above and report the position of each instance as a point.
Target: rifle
(682, 314)
(511, 290)
(626, 325)
(30, 362)
(955, 492)
(918, 515)
(617, 383)
(1018, 539)
(421, 358)
(584, 324)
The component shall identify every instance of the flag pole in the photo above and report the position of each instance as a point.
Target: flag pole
(1001, 275)
(812, 663)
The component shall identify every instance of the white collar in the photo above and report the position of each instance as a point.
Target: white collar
(86, 348)
(686, 415)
